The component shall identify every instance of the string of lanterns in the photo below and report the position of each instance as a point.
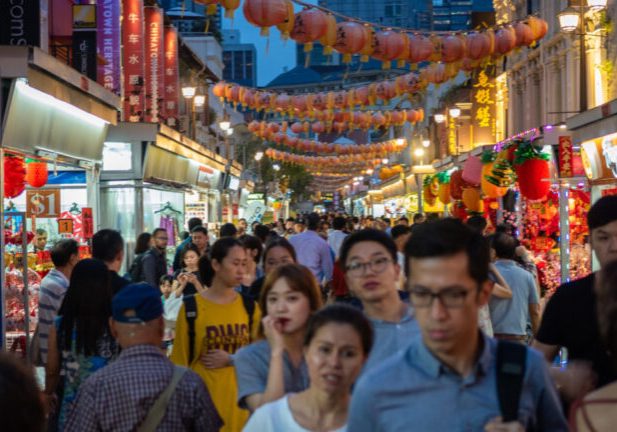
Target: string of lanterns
(19, 172)
(322, 163)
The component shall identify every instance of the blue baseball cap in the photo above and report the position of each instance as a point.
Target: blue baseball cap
(141, 300)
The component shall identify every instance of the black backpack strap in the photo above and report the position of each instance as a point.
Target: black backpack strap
(190, 312)
(249, 307)
(511, 365)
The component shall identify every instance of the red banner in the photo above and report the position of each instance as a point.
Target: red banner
(87, 222)
(133, 59)
(154, 63)
(565, 156)
(171, 79)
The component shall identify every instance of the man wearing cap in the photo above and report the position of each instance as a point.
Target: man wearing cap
(570, 317)
(142, 388)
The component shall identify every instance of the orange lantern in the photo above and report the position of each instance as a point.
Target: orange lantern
(297, 128)
(287, 26)
(318, 127)
(420, 48)
(488, 188)
(472, 200)
(230, 7)
(524, 34)
(265, 13)
(478, 45)
(210, 5)
(452, 48)
(309, 25)
(505, 40)
(299, 102)
(329, 37)
(538, 26)
(350, 38)
(369, 45)
(389, 45)
(218, 89)
(283, 102)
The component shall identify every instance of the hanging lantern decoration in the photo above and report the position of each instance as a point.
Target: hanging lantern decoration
(444, 187)
(211, 5)
(456, 185)
(472, 170)
(14, 176)
(350, 39)
(505, 40)
(538, 26)
(488, 164)
(309, 26)
(478, 45)
(389, 45)
(36, 173)
(230, 7)
(533, 171)
(265, 13)
(369, 45)
(472, 200)
(427, 191)
(524, 34)
(420, 48)
(452, 48)
(287, 26)
(329, 37)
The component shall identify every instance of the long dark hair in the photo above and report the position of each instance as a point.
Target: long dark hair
(280, 242)
(607, 307)
(86, 307)
(143, 243)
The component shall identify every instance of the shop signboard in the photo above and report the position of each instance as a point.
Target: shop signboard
(154, 63)
(84, 40)
(20, 22)
(565, 156)
(65, 226)
(44, 203)
(483, 113)
(196, 210)
(171, 78)
(133, 59)
(108, 44)
(87, 222)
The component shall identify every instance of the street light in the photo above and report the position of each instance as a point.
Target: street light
(426, 143)
(199, 101)
(276, 167)
(455, 113)
(229, 131)
(188, 92)
(259, 155)
(225, 123)
(568, 19)
(440, 118)
(597, 4)
(384, 161)
(419, 152)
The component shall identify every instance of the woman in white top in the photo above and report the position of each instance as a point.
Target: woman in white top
(337, 344)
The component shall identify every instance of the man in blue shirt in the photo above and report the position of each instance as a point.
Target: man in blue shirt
(446, 380)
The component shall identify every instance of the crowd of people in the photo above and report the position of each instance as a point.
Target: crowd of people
(321, 323)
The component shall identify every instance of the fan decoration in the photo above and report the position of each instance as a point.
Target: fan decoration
(14, 176)
(488, 188)
(444, 187)
(533, 171)
(36, 173)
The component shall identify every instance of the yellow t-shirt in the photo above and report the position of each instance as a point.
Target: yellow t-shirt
(224, 327)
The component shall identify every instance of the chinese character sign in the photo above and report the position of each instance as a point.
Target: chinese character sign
(483, 107)
(171, 78)
(133, 59)
(565, 156)
(108, 44)
(154, 63)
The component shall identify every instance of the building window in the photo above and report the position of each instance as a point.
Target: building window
(393, 10)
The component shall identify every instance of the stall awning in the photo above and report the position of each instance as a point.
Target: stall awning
(596, 122)
(163, 166)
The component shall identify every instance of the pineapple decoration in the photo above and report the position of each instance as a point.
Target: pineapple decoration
(533, 171)
(430, 189)
(491, 190)
(444, 187)
(502, 174)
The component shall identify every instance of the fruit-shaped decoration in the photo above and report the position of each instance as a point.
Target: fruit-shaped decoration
(458, 211)
(456, 185)
(427, 190)
(444, 187)
(502, 174)
(14, 176)
(488, 164)
(472, 200)
(472, 170)
(36, 173)
(533, 171)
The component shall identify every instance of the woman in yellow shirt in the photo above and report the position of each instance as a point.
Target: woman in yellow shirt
(222, 326)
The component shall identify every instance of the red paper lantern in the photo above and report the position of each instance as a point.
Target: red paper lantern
(420, 48)
(350, 39)
(230, 7)
(265, 13)
(452, 48)
(14, 176)
(533, 178)
(309, 25)
(36, 174)
(389, 45)
(478, 45)
(505, 40)
(524, 34)
(329, 37)
(287, 26)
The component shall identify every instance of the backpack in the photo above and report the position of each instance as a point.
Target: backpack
(190, 312)
(136, 272)
(511, 364)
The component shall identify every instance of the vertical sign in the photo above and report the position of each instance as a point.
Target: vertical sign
(171, 79)
(154, 63)
(483, 107)
(20, 22)
(565, 156)
(87, 222)
(133, 59)
(84, 40)
(452, 138)
(108, 44)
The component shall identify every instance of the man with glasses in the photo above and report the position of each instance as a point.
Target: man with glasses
(447, 380)
(368, 258)
(154, 261)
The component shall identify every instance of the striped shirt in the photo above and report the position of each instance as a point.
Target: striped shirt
(119, 396)
(52, 291)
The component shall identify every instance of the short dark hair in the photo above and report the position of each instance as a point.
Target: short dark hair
(194, 222)
(280, 242)
(404, 218)
(252, 243)
(142, 244)
(222, 246)
(312, 221)
(261, 232)
(341, 314)
(339, 223)
(504, 245)
(228, 230)
(187, 248)
(371, 235)
(62, 251)
(607, 305)
(477, 223)
(158, 230)
(40, 231)
(399, 230)
(107, 244)
(201, 229)
(602, 212)
(447, 237)
(417, 217)
(166, 278)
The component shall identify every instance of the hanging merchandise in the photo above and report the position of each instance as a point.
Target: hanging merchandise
(501, 174)
(457, 210)
(444, 187)
(533, 171)
(472, 170)
(430, 189)
(36, 173)
(14, 176)
(457, 184)
(472, 200)
(488, 165)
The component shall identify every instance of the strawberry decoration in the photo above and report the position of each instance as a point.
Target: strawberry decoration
(14, 176)
(533, 171)
(457, 184)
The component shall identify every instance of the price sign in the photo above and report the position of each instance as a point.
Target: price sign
(43, 203)
(65, 226)
(87, 222)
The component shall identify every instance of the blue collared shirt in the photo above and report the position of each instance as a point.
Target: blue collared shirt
(313, 252)
(415, 391)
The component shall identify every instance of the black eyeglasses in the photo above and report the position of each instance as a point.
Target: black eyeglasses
(450, 298)
(378, 265)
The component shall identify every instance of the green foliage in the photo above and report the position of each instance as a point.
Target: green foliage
(527, 151)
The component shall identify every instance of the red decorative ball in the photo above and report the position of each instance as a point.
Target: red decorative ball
(14, 176)
(534, 179)
(36, 174)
